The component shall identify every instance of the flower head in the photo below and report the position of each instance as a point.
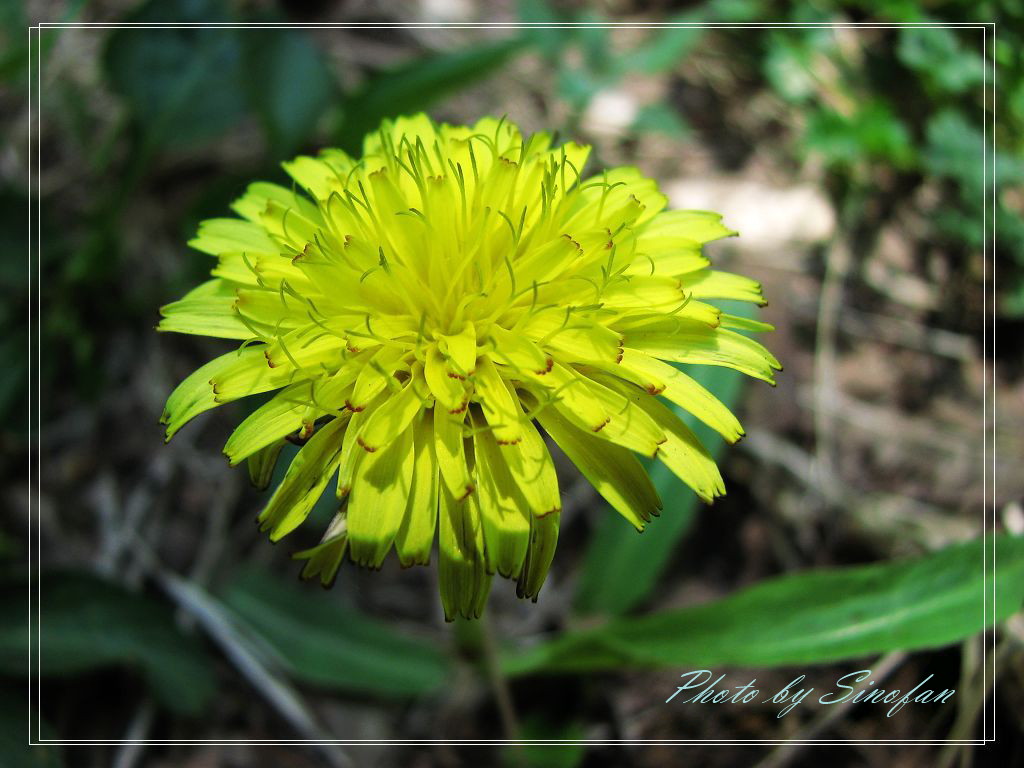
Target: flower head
(421, 309)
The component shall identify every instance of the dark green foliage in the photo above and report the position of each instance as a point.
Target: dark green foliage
(326, 643)
(810, 617)
(89, 623)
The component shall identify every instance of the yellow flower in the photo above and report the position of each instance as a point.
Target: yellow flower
(420, 310)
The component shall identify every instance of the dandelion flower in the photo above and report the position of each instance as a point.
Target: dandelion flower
(421, 310)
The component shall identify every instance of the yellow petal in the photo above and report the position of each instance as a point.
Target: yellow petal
(216, 236)
(613, 471)
(325, 558)
(530, 463)
(517, 352)
(543, 539)
(659, 378)
(462, 569)
(499, 406)
(713, 284)
(688, 342)
(682, 452)
(197, 392)
(207, 310)
(380, 491)
(448, 389)
(460, 351)
(415, 536)
(304, 481)
(451, 453)
(391, 418)
(505, 518)
(262, 463)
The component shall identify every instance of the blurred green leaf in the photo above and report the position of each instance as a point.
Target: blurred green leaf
(662, 119)
(416, 85)
(738, 10)
(809, 617)
(542, 727)
(14, 43)
(183, 85)
(87, 623)
(577, 86)
(14, 734)
(938, 58)
(289, 83)
(872, 132)
(621, 567)
(788, 64)
(666, 47)
(595, 43)
(956, 149)
(17, 54)
(329, 644)
(548, 39)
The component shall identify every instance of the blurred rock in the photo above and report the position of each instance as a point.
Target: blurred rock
(610, 113)
(767, 217)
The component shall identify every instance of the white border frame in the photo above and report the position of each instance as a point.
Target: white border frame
(35, 31)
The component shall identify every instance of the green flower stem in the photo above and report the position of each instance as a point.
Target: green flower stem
(476, 640)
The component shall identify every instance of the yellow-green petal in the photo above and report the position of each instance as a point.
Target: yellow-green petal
(376, 506)
(462, 567)
(613, 471)
(304, 481)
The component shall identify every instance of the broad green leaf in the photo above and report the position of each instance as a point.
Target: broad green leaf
(183, 85)
(621, 567)
(326, 643)
(811, 617)
(87, 623)
(418, 84)
(14, 733)
(289, 84)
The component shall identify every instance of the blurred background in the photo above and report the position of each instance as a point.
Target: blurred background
(853, 162)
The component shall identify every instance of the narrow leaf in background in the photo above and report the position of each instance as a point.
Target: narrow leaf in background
(183, 85)
(87, 623)
(810, 617)
(289, 84)
(323, 642)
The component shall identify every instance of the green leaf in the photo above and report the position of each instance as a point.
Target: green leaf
(810, 617)
(872, 132)
(324, 642)
(661, 118)
(540, 727)
(789, 64)
(14, 734)
(621, 567)
(667, 47)
(955, 149)
(418, 84)
(183, 85)
(936, 55)
(289, 85)
(548, 38)
(88, 623)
